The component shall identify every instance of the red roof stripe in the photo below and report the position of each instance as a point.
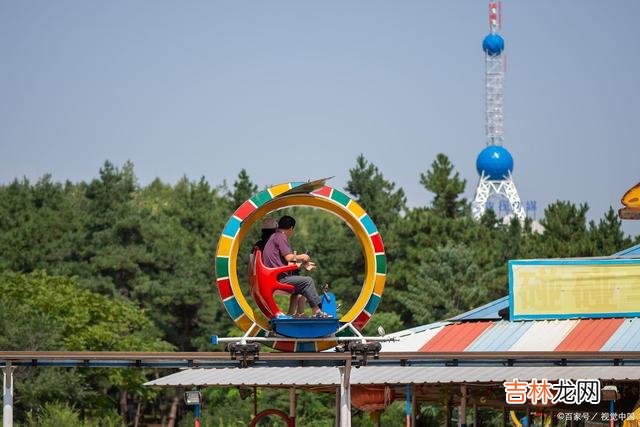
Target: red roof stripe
(456, 337)
(589, 335)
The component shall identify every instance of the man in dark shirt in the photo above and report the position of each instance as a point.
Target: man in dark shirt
(277, 253)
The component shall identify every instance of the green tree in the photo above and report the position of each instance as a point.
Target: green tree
(379, 197)
(447, 284)
(445, 187)
(607, 236)
(56, 314)
(243, 189)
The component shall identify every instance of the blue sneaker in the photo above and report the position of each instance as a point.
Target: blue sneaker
(282, 316)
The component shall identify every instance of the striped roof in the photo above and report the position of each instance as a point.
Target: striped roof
(530, 335)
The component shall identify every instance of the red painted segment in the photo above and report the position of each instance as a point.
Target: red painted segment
(361, 320)
(324, 191)
(456, 337)
(377, 243)
(244, 210)
(589, 335)
(224, 288)
(288, 346)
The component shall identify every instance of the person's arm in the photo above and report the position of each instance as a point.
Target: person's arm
(291, 257)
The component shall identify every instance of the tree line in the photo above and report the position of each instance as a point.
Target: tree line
(110, 264)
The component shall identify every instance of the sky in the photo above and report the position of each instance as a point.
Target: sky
(296, 90)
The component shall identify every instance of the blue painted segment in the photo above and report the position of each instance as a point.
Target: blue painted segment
(625, 338)
(496, 163)
(306, 346)
(232, 227)
(368, 224)
(372, 304)
(488, 311)
(305, 328)
(233, 308)
(214, 339)
(500, 337)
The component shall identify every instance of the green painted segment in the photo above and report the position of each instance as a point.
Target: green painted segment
(222, 267)
(381, 264)
(340, 197)
(261, 198)
(345, 333)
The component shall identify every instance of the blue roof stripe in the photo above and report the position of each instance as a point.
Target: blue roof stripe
(632, 251)
(626, 338)
(500, 337)
(488, 311)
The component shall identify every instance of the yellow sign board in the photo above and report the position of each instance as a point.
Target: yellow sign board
(556, 289)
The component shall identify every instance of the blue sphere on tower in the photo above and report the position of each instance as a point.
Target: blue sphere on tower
(493, 44)
(495, 162)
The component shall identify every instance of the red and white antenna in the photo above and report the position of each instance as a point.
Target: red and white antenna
(495, 16)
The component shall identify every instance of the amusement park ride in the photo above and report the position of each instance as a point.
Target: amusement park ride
(494, 163)
(265, 324)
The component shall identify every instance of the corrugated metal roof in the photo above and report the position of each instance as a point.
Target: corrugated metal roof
(500, 337)
(456, 337)
(626, 338)
(412, 341)
(529, 335)
(470, 374)
(543, 335)
(488, 311)
(589, 335)
(329, 376)
(251, 376)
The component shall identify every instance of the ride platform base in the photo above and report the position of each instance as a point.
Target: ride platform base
(305, 327)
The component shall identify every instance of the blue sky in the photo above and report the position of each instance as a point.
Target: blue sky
(294, 90)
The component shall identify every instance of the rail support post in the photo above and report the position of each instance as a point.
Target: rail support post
(7, 395)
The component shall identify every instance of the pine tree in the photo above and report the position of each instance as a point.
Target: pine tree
(446, 188)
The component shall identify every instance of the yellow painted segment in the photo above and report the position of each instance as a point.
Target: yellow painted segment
(356, 209)
(576, 289)
(244, 322)
(276, 190)
(224, 246)
(379, 283)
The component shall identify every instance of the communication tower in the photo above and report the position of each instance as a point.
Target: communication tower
(494, 163)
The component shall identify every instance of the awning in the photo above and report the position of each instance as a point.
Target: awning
(330, 376)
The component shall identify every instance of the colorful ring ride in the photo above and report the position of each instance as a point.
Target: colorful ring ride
(313, 194)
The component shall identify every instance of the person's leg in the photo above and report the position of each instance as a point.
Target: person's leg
(301, 302)
(306, 287)
(293, 304)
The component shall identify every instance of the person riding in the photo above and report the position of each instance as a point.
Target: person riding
(277, 253)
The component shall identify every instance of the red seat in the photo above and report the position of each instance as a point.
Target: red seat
(264, 283)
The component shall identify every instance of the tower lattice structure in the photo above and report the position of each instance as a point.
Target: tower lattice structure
(495, 163)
